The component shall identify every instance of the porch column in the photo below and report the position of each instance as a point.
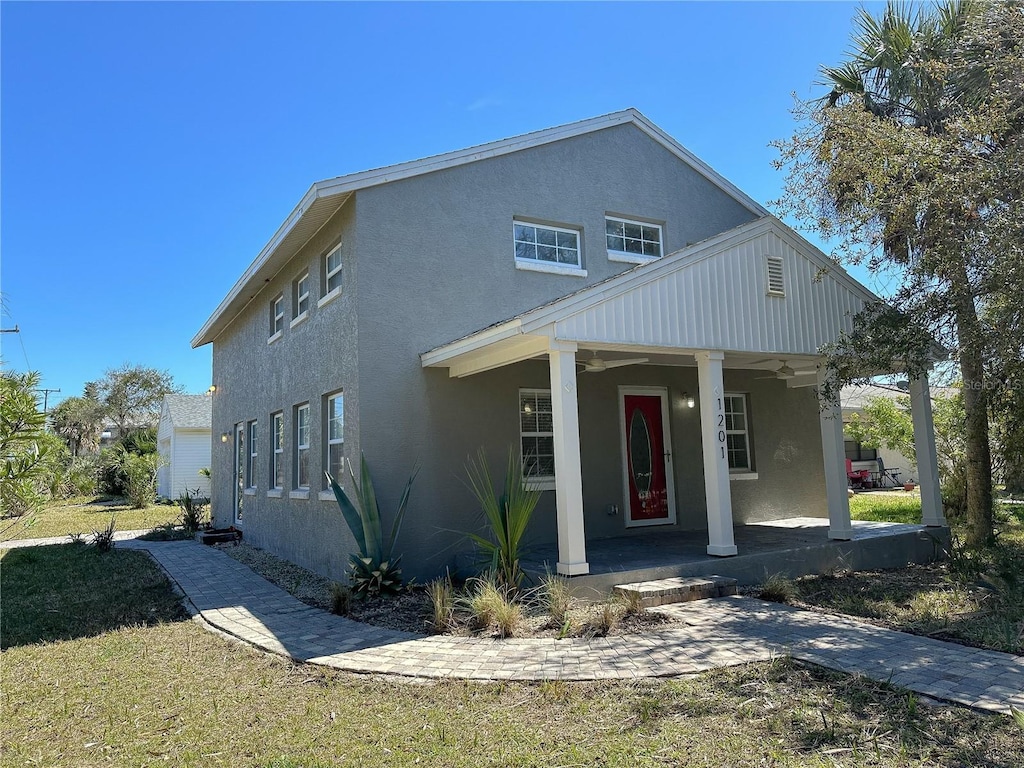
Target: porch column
(834, 453)
(572, 546)
(716, 463)
(924, 445)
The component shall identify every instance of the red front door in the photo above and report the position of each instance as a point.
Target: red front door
(646, 459)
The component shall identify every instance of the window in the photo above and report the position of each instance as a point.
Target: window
(277, 316)
(776, 281)
(302, 446)
(250, 465)
(332, 270)
(334, 448)
(277, 451)
(547, 245)
(737, 433)
(857, 452)
(536, 425)
(300, 296)
(632, 240)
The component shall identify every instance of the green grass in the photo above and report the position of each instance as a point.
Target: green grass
(902, 508)
(172, 693)
(976, 598)
(85, 515)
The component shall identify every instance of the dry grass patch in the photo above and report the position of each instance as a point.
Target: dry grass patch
(85, 515)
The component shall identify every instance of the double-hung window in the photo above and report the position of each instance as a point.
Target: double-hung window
(632, 241)
(277, 451)
(334, 448)
(302, 446)
(250, 465)
(737, 433)
(537, 435)
(547, 248)
(332, 270)
(277, 316)
(300, 297)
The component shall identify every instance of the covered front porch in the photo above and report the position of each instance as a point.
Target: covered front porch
(754, 303)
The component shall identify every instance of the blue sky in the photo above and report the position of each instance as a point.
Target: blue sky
(149, 150)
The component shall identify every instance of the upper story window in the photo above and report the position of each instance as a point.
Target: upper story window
(300, 297)
(250, 466)
(302, 446)
(632, 241)
(537, 436)
(737, 433)
(276, 317)
(332, 271)
(277, 451)
(334, 448)
(548, 249)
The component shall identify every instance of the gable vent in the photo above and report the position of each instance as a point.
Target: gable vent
(776, 284)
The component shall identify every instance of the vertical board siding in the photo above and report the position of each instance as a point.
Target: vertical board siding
(722, 302)
(189, 454)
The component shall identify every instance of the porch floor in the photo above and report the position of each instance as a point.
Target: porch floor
(792, 547)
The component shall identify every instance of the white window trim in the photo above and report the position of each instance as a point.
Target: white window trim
(299, 448)
(299, 297)
(626, 257)
(327, 298)
(300, 319)
(249, 491)
(741, 473)
(326, 496)
(276, 454)
(329, 273)
(274, 493)
(535, 482)
(276, 313)
(549, 266)
(327, 440)
(250, 464)
(299, 493)
(275, 337)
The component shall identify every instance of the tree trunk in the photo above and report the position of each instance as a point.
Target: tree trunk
(978, 458)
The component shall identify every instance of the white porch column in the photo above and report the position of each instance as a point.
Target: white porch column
(572, 545)
(924, 445)
(834, 453)
(716, 463)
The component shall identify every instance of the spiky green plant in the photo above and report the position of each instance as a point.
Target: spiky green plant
(506, 517)
(374, 569)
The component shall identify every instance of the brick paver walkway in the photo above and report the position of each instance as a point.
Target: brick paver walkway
(713, 633)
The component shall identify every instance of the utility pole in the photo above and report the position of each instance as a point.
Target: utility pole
(46, 395)
(15, 329)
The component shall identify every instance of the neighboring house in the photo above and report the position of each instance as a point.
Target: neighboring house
(853, 400)
(183, 440)
(592, 295)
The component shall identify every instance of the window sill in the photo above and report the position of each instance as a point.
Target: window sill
(630, 258)
(274, 493)
(552, 269)
(743, 475)
(776, 294)
(540, 484)
(300, 319)
(327, 298)
(326, 496)
(249, 491)
(275, 337)
(302, 493)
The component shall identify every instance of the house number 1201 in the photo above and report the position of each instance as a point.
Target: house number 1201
(721, 431)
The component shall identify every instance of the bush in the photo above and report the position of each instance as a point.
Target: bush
(104, 540)
(140, 478)
(491, 605)
(341, 599)
(777, 589)
(193, 510)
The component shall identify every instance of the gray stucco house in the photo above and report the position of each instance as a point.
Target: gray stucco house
(591, 294)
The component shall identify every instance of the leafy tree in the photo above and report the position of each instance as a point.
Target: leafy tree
(79, 421)
(22, 444)
(915, 163)
(132, 395)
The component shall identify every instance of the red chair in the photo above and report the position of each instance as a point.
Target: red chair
(857, 478)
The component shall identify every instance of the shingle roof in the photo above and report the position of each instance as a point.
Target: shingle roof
(190, 411)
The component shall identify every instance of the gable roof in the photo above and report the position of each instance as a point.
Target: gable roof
(711, 295)
(325, 198)
(189, 411)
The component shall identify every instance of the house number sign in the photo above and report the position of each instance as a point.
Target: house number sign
(720, 423)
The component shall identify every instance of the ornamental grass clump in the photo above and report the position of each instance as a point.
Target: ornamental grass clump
(373, 569)
(556, 597)
(491, 605)
(442, 603)
(506, 518)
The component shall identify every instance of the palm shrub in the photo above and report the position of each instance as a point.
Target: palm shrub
(373, 569)
(139, 472)
(506, 517)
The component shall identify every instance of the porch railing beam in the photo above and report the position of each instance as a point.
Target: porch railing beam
(834, 456)
(721, 541)
(572, 547)
(927, 456)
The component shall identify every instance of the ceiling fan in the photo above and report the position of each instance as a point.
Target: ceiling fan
(783, 372)
(597, 365)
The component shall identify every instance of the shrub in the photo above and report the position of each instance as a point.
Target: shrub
(506, 517)
(104, 540)
(606, 619)
(139, 478)
(491, 605)
(442, 602)
(374, 568)
(777, 589)
(341, 599)
(556, 597)
(193, 510)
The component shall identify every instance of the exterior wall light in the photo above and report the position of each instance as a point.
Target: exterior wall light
(212, 389)
(224, 437)
(688, 399)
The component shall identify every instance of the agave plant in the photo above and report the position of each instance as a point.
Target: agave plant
(374, 569)
(506, 517)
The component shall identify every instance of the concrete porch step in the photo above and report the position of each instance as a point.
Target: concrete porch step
(677, 590)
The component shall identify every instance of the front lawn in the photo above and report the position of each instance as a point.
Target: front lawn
(141, 692)
(893, 507)
(85, 515)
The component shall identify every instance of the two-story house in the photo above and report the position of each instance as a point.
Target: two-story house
(593, 295)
